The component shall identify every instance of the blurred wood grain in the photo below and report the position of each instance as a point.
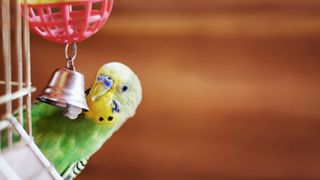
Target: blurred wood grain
(231, 88)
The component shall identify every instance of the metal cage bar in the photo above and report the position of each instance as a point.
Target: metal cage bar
(18, 35)
(26, 48)
(7, 60)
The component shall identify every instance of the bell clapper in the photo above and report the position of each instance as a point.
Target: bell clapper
(72, 112)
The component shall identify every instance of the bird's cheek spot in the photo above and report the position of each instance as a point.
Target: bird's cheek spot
(101, 119)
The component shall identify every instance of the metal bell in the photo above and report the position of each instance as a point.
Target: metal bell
(66, 87)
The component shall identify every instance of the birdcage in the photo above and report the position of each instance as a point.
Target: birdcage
(20, 158)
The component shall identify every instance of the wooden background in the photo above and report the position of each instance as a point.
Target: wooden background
(231, 88)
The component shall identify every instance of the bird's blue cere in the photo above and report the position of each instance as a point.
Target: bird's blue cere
(106, 80)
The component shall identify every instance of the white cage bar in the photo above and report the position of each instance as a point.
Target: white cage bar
(14, 122)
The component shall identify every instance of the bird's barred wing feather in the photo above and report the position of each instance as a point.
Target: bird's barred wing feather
(74, 169)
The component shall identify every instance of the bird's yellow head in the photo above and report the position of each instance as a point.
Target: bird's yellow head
(114, 96)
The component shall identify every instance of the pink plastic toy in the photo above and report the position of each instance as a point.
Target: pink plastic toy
(68, 21)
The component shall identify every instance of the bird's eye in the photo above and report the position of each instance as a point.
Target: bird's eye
(124, 88)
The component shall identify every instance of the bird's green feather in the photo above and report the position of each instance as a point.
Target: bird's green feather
(66, 141)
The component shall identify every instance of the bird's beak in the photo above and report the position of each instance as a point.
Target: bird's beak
(98, 90)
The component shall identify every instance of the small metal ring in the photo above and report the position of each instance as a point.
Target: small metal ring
(70, 59)
(74, 52)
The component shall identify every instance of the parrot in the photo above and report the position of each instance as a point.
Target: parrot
(68, 144)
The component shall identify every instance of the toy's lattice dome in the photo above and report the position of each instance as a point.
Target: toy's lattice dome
(68, 21)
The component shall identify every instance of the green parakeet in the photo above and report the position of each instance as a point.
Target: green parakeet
(68, 144)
